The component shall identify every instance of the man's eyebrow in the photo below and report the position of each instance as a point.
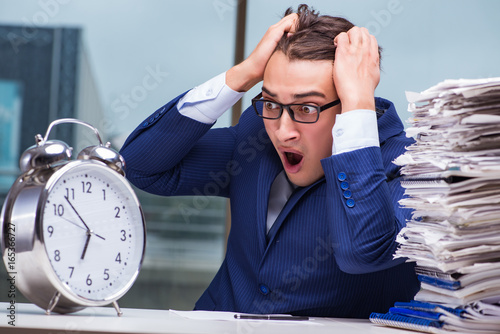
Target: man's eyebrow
(308, 94)
(296, 96)
(268, 92)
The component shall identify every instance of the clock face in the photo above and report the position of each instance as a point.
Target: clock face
(93, 232)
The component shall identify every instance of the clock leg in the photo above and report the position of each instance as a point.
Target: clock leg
(53, 302)
(117, 308)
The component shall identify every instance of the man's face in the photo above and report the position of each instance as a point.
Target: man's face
(301, 146)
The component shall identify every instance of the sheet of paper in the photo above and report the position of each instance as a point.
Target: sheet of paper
(229, 316)
(451, 177)
(205, 315)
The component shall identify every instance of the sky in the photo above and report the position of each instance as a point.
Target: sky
(144, 53)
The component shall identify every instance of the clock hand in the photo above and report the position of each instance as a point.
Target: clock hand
(83, 228)
(86, 244)
(88, 229)
(97, 235)
(69, 221)
(67, 199)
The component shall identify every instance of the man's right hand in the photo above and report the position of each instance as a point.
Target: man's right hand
(245, 75)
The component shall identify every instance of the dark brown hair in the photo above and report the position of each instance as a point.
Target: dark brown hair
(313, 37)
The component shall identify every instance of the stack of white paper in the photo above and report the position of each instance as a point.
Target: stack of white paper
(451, 176)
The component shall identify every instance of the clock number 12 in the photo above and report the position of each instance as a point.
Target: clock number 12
(86, 187)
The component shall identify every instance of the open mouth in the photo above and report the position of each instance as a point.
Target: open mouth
(293, 158)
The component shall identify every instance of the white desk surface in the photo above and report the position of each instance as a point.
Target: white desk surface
(32, 319)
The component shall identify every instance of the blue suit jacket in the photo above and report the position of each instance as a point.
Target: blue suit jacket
(326, 254)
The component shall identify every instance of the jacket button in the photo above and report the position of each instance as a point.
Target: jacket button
(344, 185)
(264, 289)
(145, 124)
(347, 194)
(341, 176)
(350, 202)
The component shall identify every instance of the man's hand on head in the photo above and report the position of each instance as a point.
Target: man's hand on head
(245, 75)
(356, 70)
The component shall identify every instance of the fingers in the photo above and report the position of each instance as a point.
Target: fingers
(356, 70)
(245, 75)
(374, 49)
(357, 37)
(287, 24)
(358, 41)
(294, 18)
(341, 39)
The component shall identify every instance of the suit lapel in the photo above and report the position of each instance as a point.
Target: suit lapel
(290, 204)
(270, 167)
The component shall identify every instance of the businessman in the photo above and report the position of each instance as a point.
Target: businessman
(308, 168)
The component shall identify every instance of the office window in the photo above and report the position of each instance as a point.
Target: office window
(112, 64)
(10, 122)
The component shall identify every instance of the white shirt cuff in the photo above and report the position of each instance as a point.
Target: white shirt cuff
(354, 130)
(208, 101)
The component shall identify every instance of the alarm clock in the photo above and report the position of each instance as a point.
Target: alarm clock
(72, 231)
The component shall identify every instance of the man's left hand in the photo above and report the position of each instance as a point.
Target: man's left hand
(356, 69)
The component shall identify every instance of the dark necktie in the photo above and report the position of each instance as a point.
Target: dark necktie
(281, 189)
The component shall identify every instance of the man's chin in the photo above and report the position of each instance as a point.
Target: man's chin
(301, 180)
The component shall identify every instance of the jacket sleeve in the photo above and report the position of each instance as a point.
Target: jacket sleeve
(364, 214)
(171, 154)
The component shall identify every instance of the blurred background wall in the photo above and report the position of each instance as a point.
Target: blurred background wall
(114, 62)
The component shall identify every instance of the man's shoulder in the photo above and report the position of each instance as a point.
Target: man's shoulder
(385, 107)
(389, 122)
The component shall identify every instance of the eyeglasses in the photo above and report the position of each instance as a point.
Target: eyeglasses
(301, 113)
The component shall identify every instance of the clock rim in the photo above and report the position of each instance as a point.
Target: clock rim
(33, 188)
(40, 243)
